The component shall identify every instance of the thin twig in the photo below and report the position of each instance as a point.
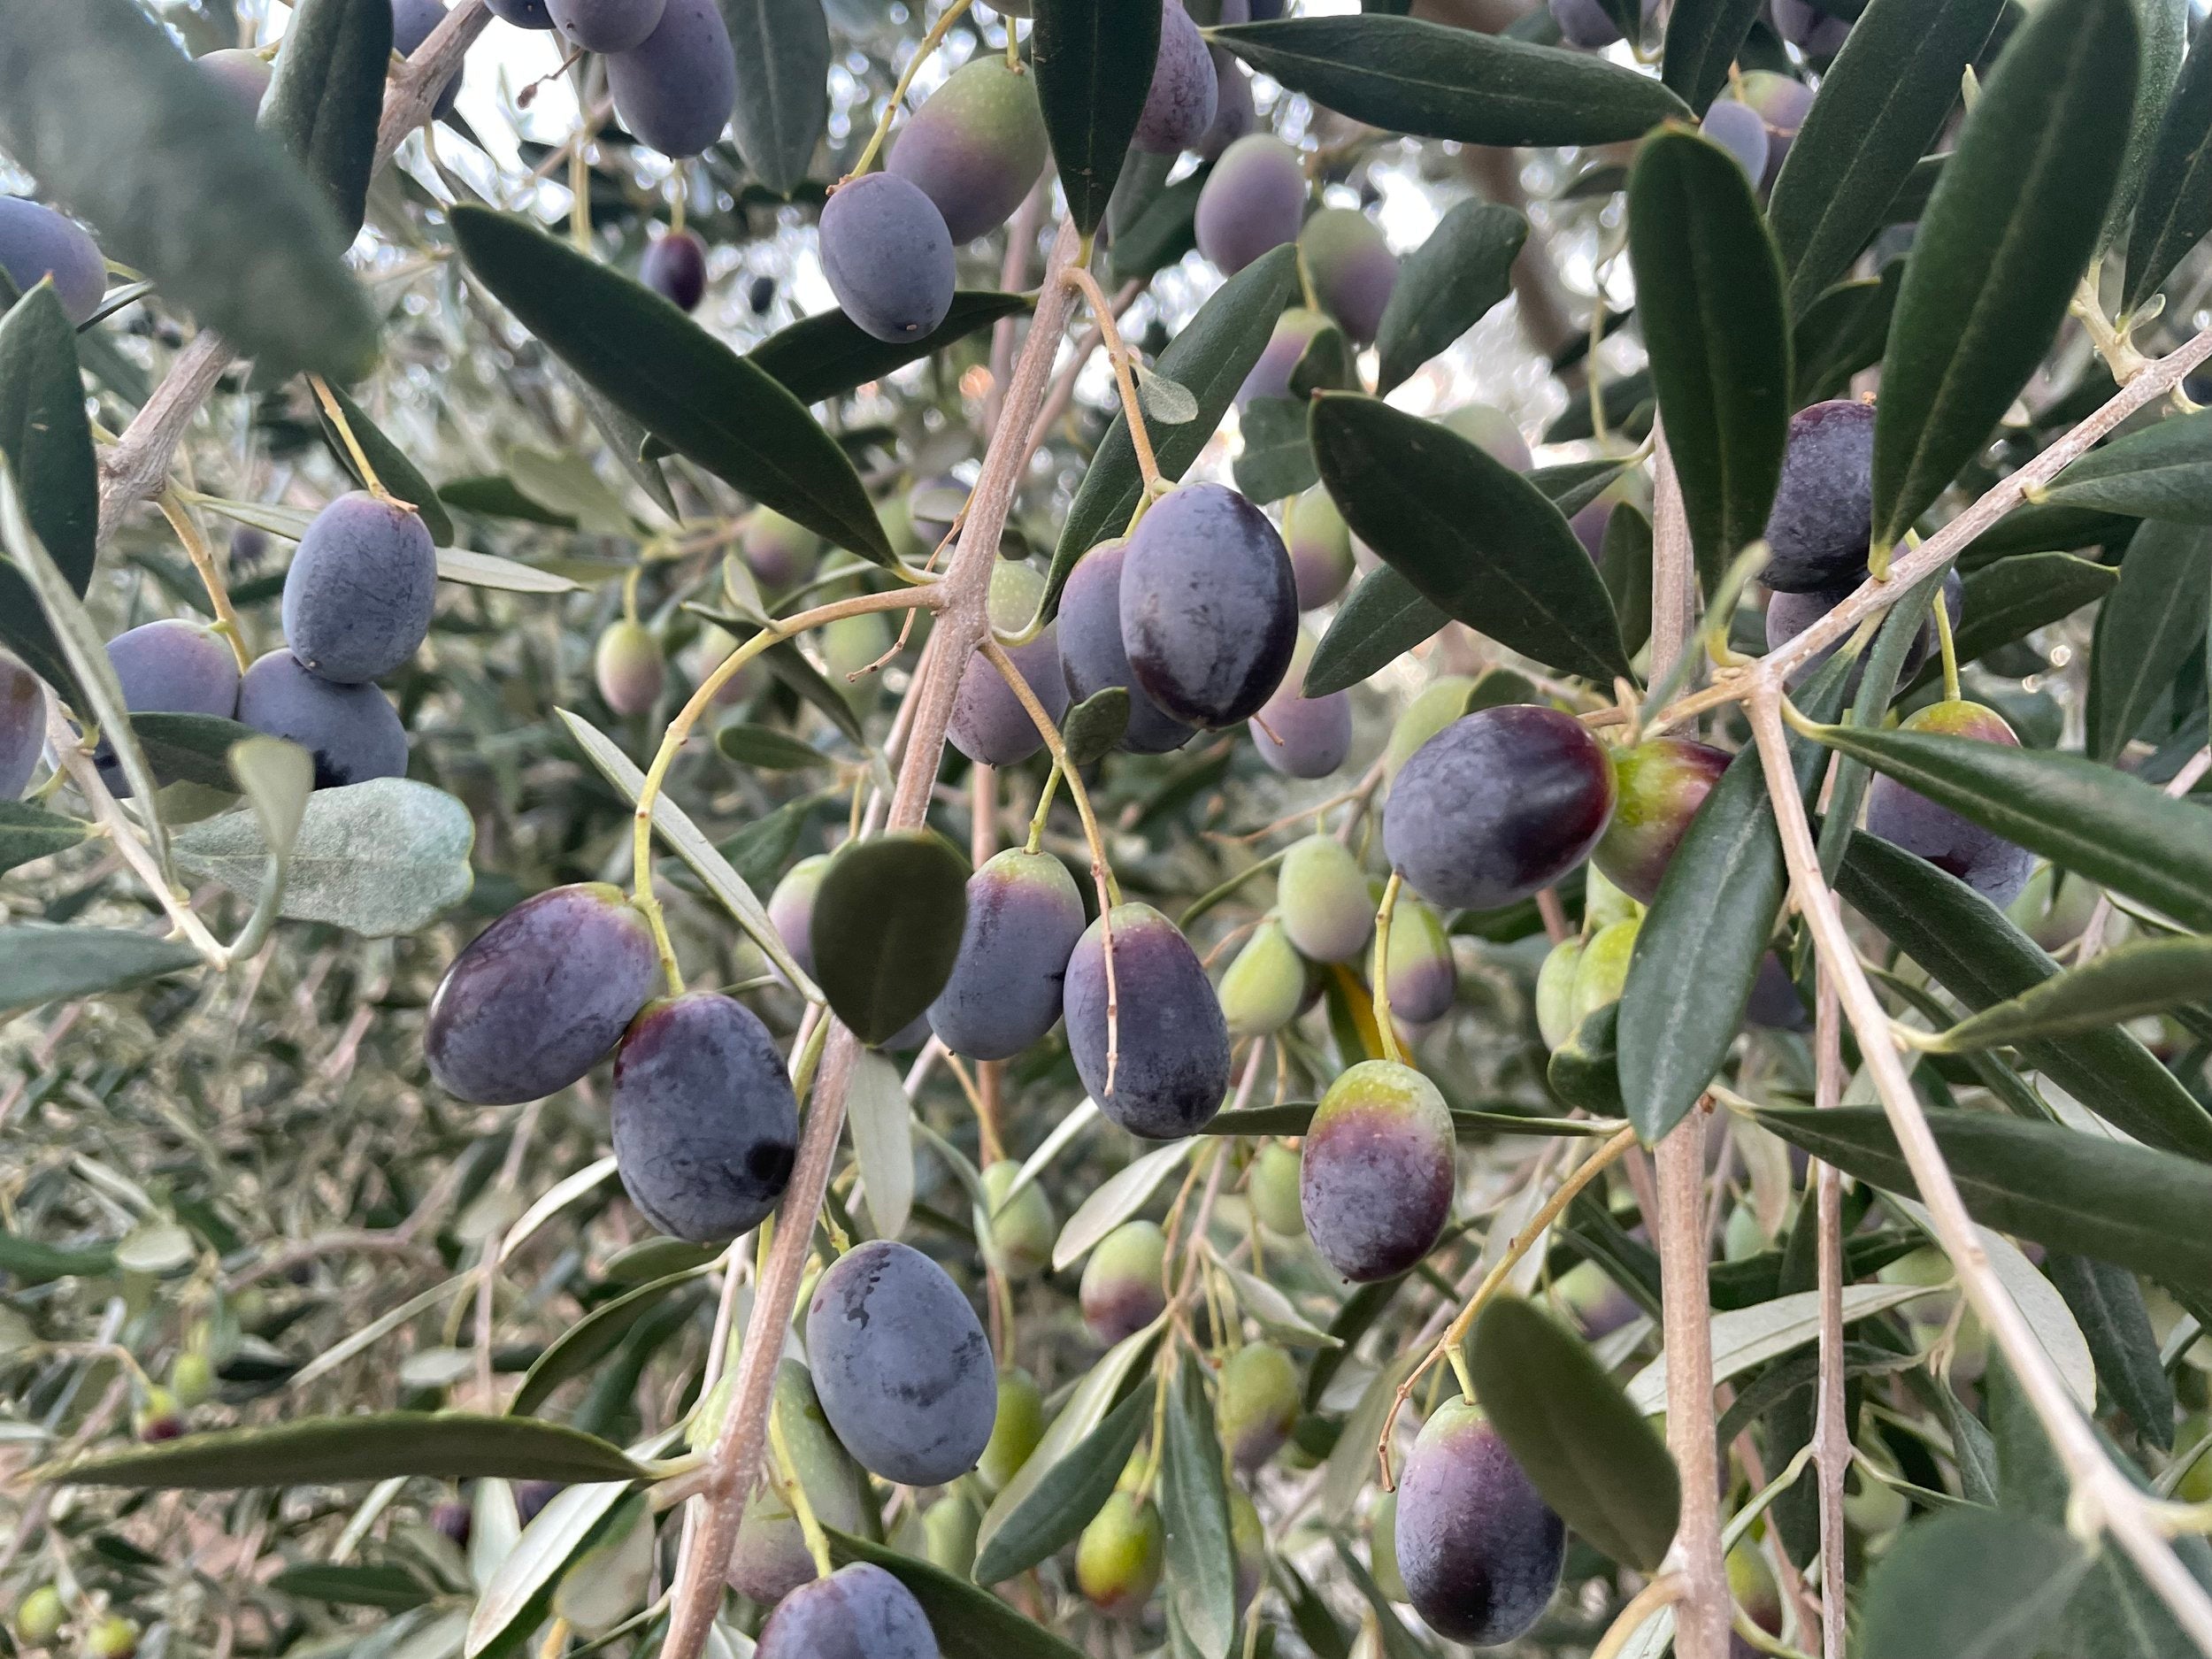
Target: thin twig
(70, 753)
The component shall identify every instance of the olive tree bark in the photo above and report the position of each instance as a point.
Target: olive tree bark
(137, 465)
(1701, 1616)
(1831, 1434)
(960, 626)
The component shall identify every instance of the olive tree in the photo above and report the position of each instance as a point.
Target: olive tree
(1575, 1022)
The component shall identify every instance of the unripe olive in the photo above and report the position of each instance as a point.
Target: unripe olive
(1258, 1403)
(1294, 332)
(1015, 1431)
(1118, 1557)
(114, 1637)
(1265, 983)
(1382, 1548)
(1435, 706)
(1022, 1229)
(158, 1417)
(2196, 1485)
(39, 1615)
(191, 1379)
(791, 907)
(1323, 899)
(1992, 866)
(2054, 907)
(976, 145)
(1662, 783)
(1320, 547)
(779, 551)
(1603, 903)
(1424, 978)
(1352, 267)
(1492, 431)
(1603, 970)
(1556, 992)
(949, 1526)
(1122, 1290)
(1247, 1537)
(1876, 1507)
(628, 668)
(1751, 1582)
(850, 646)
(1271, 1189)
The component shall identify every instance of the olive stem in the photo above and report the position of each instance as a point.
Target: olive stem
(1447, 1346)
(1949, 647)
(1102, 870)
(74, 758)
(2110, 340)
(679, 729)
(1044, 807)
(1124, 375)
(925, 714)
(930, 42)
(2103, 1499)
(580, 184)
(174, 509)
(1386, 1028)
(337, 418)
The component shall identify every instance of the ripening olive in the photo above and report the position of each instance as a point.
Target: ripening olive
(1376, 1170)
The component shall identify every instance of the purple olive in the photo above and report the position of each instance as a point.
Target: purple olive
(1499, 803)
(1208, 606)
(540, 995)
(1478, 1549)
(1180, 106)
(1251, 203)
(675, 268)
(1992, 866)
(35, 241)
(705, 1125)
(1376, 1170)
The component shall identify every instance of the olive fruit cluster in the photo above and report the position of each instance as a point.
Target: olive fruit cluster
(705, 1121)
(671, 66)
(1255, 200)
(356, 605)
(357, 602)
(959, 167)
